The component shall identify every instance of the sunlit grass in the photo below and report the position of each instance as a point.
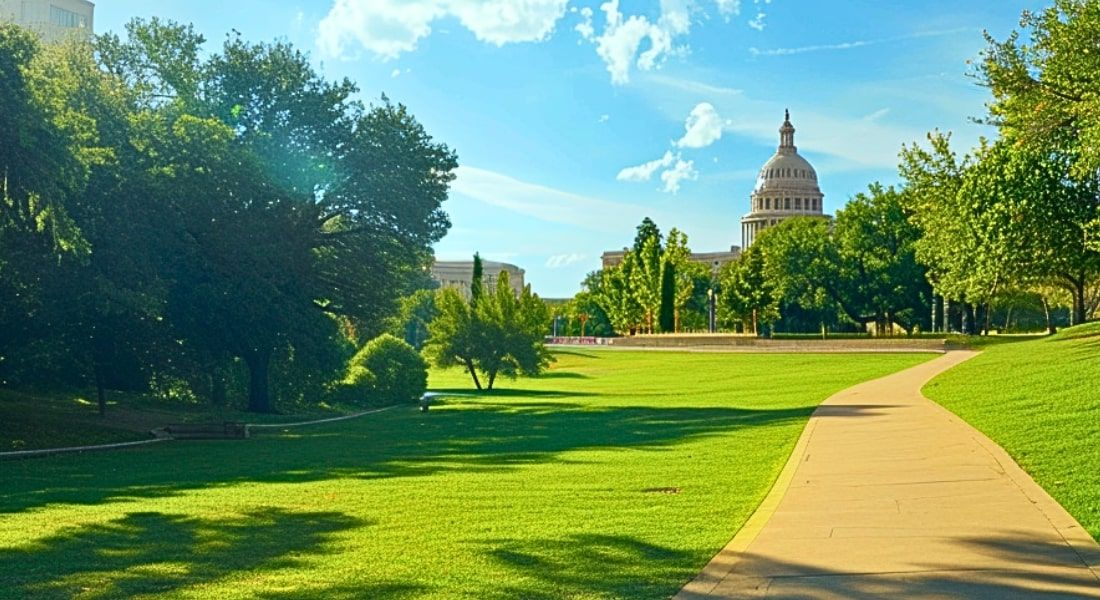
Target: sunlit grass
(536, 491)
(1039, 401)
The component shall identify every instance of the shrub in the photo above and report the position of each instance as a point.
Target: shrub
(388, 371)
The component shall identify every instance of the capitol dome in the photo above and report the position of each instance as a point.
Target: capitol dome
(787, 187)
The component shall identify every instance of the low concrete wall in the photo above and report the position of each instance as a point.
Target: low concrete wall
(748, 343)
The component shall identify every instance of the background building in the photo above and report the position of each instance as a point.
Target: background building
(459, 275)
(714, 260)
(787, 187)
(54, 20)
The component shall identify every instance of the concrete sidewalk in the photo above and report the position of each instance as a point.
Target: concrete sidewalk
(888, 495)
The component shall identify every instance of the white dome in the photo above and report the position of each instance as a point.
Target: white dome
(787, 172)
(787, 187)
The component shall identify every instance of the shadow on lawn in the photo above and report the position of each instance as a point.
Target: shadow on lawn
(488, 434)
(155, 553)
(482, 435)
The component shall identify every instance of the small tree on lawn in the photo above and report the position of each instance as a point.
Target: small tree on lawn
(501, 335)
(453, 336)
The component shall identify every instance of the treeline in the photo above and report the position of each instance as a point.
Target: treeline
(961, 243)
(220, 225)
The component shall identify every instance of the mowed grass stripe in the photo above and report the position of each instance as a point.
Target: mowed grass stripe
(535, 491)
(1039, 401)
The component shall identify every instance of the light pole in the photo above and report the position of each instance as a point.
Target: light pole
(710, 321)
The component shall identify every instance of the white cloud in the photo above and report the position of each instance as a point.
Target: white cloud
(387, 28)
(560, 261)
(645, 171)
(757, 22)
(857, 43)
(728, 8)
(604, 118)
(623, 37)
(546, 203)
(703, 127)
(399, 72)
(585, 27)
(684, 170)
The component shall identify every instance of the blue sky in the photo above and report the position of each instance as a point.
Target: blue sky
(574, 120)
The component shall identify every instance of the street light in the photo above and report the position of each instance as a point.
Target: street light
(711, 325)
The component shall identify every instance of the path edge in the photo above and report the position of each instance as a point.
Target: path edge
(723, 563)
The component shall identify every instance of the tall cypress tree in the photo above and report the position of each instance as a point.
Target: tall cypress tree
(477, 286)
(667, 315)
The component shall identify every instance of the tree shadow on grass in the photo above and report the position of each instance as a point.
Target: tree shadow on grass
(156, 553)
(476, 436)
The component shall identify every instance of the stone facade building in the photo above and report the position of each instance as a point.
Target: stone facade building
(787, 187)
(54, 20)
(714, 260)
(460, 274)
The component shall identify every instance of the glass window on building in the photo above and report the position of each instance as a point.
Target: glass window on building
(66, 18)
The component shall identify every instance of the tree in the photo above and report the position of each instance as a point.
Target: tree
(501, 335)
(748, 297)
(1045, 83)
(647, 230)
(879, 275)
(667, 320)
(645, 281)
(477, 283)
(453, 336)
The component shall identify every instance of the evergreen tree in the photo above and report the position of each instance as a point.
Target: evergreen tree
(667, 319)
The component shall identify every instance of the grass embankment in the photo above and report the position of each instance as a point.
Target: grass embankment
(1038, 400)
(616, 475)
(30, 421)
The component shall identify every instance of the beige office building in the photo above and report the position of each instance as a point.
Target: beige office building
(459, 275)
(54, 20)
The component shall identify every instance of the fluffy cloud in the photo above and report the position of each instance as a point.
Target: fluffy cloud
(560, 261)
(684, 170)
(645, 171)
(703, 127)
(673, 168)
(620, 44)
(388, 28)
(728, 8)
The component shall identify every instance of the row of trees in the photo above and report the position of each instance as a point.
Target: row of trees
(654, 288)
(197, 222)
(1011, 222)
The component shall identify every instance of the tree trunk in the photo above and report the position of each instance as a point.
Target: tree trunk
(101, 394)
(217, 387)
(473, 373)
(1046, 311)
(988, 316)
(259, 368)
(970, 324)
(1079, 301)
(492, 379)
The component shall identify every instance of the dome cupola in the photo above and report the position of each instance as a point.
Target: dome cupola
(787, 187)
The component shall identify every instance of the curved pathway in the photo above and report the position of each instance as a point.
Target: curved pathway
(890, 495)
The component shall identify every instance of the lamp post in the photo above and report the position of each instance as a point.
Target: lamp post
(710, 321)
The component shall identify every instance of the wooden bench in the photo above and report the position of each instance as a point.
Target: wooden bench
(208, 431)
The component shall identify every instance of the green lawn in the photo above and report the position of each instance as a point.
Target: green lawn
(1039, 401)
(616, 475)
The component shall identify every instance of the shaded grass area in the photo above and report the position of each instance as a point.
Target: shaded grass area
(29, 421)
(616, 475)
(1038, 400)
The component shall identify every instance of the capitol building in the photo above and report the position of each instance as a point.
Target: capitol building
(787, 187)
